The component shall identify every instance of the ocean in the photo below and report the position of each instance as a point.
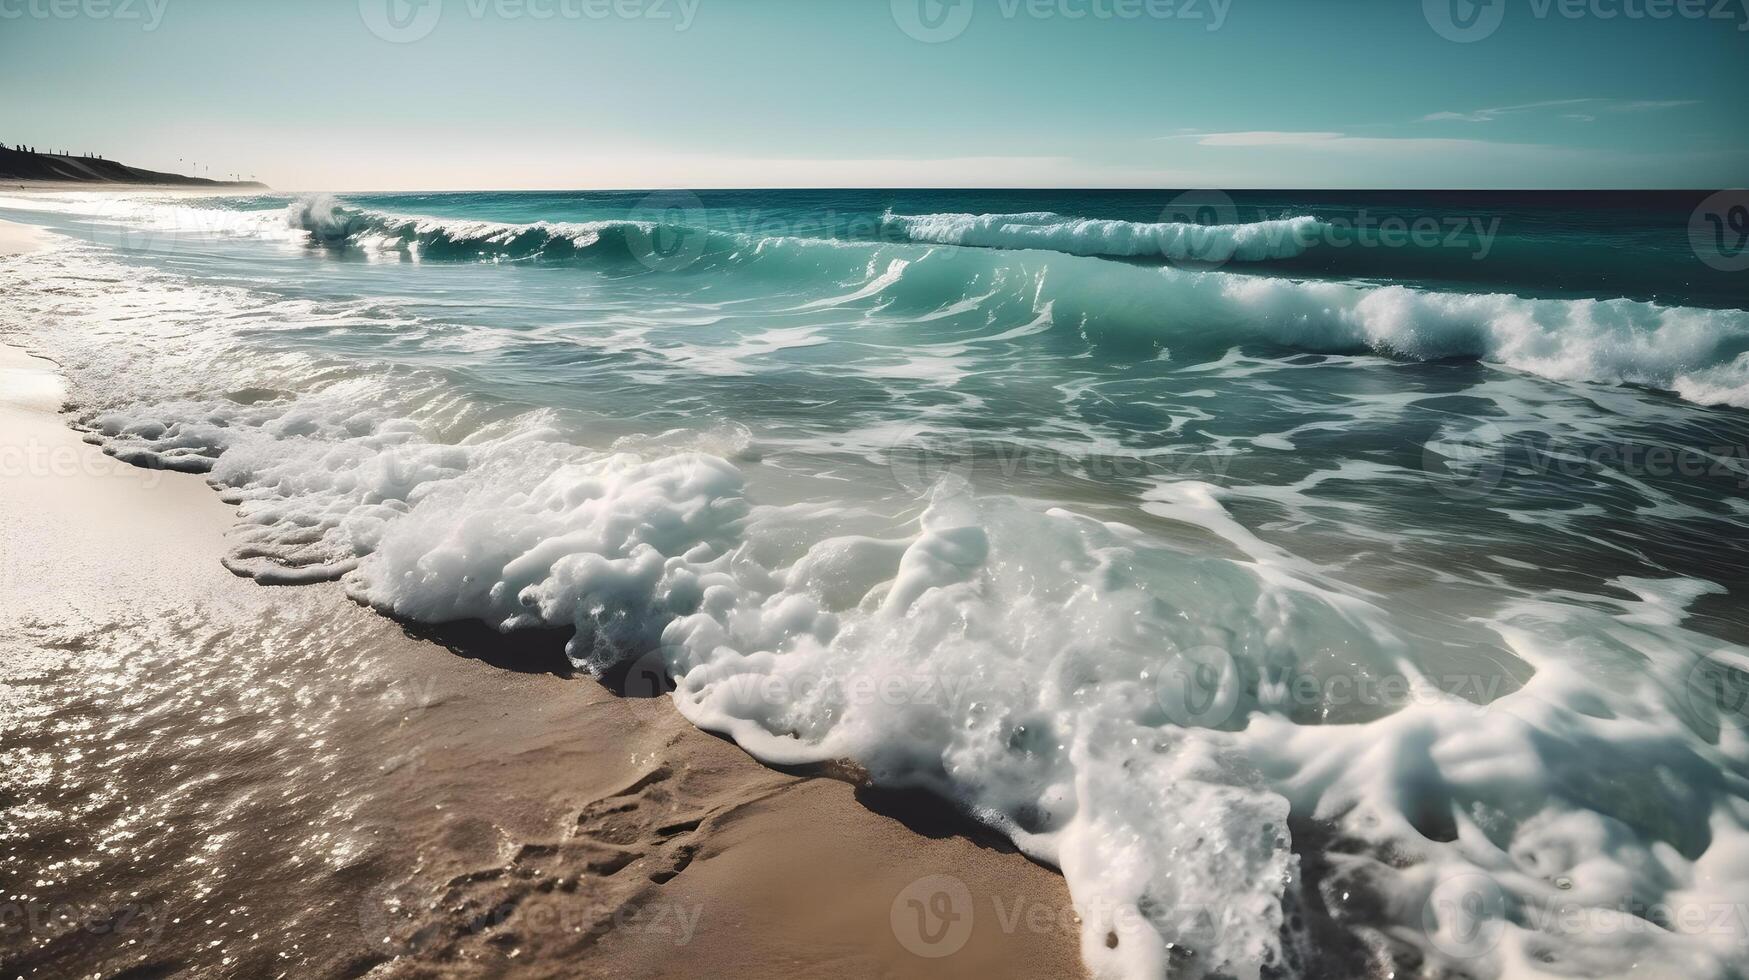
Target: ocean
(1313, 577)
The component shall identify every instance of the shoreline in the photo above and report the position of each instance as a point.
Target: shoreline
(339, 793)
(16, 239)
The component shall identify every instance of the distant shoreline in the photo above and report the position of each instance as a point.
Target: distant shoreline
(26, 166)
(16, 184)
(190, 184)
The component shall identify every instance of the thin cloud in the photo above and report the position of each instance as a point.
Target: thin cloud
(1595, 105)
(1326, 140)
(1489, 115)
(1645, 105)
(1262, 137)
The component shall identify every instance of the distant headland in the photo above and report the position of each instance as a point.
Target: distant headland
(26, 163)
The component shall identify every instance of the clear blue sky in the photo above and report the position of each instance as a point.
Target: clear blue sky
(723, 93)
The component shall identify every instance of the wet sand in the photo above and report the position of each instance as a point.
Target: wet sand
(15, 238)
(204, 777)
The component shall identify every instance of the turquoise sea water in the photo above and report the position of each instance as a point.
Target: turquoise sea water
(1328, 580)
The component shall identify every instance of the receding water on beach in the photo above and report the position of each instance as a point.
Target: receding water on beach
(1326, 584)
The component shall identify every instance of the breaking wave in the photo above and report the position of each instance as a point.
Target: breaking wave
(1176, 241)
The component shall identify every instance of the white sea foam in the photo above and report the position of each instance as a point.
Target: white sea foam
(1698, 353)
(1131, 710)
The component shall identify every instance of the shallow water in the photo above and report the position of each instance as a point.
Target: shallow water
(1314, 605)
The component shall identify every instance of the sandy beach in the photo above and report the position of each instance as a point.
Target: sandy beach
(16, 238)
(205, 777)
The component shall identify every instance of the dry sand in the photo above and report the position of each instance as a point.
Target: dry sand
(201, 776)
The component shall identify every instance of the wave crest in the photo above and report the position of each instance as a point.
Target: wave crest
(1176, 241)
